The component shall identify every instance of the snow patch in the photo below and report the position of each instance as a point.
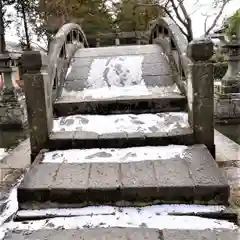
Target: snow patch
(163, 209)
(115, 71)
(130, 123)
(130, 218)
(11, 206)
(113, 155)
(3, 153)
(126, 91)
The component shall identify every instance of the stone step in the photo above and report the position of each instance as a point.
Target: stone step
(67, 106)
(120, 130)
(131, 233)
(116, 99)
(171, 174)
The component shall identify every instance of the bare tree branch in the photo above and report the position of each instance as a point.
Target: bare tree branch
(181, 29)
(224, 3)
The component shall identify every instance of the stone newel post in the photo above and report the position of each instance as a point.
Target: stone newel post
(38, 92)
(200, 92)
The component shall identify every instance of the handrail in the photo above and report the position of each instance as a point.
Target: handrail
(69, 38)
(166, 26)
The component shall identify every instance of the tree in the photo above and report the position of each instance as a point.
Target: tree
(22, 7)
(177, 11)
(131, 16)
(233, 24)
(3, 23)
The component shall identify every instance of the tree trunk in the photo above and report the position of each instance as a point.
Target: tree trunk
(2, 30)
(25, 26)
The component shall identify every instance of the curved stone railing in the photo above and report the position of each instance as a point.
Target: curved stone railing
(193, 73)
(43, 77)
(69, 38)
(165, 31)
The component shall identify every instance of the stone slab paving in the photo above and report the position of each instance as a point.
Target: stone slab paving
(188, 174)
(124, 234)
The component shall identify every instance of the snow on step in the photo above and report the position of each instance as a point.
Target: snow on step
(147, 123)
(116, 92)
(115, 155)
(122, 219)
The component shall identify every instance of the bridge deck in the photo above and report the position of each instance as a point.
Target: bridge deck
(94, 71)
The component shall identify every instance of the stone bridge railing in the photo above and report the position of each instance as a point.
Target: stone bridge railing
(44, 76)
(193, 73)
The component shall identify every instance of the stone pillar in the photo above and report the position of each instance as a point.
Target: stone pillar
(38, 93)
(200, 92)
(227, 91)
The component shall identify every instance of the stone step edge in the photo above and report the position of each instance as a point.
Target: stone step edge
(118, 106)
(86, 140)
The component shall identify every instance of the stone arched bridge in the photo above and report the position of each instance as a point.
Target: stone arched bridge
(122, 126)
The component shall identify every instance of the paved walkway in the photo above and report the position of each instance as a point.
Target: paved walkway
(124, 234)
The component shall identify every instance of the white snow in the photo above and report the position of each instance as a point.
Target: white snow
(125, 218)
(112, 155)
(11, 206)
(115, 71)
(3, 153)
(126, 91)
(163, 209)
(147, 123)
(156, 216)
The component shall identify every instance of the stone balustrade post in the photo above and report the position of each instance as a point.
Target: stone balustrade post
(200, 92)
(38, 93)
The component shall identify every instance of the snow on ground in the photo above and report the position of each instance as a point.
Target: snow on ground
(3, 153)
(123, 218)
(147, 123)
(115, 154)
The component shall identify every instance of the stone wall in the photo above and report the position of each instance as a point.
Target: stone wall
(12, 109)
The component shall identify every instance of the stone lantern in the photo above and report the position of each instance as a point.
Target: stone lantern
(227, 91)
(230, 83)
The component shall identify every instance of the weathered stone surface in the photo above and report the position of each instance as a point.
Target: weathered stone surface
(73, 177)
(169, 175)
(200, 101)
(70, 106)
(37, 183)
(12, 112)
(37, 85)
(138, 181)
(209, 181)
(104, 182)
(200, 50)
(89, 234)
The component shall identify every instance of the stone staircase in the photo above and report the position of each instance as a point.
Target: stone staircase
(120, 159)
(140, 149)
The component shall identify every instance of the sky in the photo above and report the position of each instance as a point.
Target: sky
(196, 12)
